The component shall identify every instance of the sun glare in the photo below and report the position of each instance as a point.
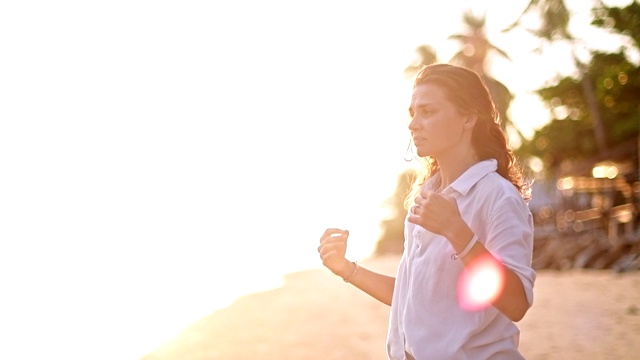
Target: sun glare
(481, 283)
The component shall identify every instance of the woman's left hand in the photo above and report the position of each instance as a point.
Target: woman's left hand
(435, 212)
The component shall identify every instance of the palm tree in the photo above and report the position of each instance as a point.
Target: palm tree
(554, 26)
(473, 55)
(554, 20)
(426, 56)
(475, 45)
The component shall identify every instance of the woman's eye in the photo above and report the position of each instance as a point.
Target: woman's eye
(422, 113)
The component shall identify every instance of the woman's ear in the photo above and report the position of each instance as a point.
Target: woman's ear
(470, 120)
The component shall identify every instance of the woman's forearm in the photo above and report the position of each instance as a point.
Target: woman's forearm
(512, 300)
(379, 286)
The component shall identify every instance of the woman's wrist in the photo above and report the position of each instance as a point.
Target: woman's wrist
(353, 273)
(466, 250)
(345, 269)
(460, 237)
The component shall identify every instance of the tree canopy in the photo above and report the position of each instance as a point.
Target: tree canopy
(614, 82)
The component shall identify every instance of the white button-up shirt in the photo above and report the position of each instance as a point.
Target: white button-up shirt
(426, 320)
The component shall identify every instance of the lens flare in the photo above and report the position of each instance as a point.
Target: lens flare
(481, 283)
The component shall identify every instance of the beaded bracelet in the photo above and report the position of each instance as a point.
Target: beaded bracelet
(466, 250)
(353, 273)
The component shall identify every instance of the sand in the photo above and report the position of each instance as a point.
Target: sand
(577, 314)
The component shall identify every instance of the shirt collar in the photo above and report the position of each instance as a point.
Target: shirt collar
(471, 176)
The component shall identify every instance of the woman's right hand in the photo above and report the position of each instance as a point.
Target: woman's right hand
(332, 249)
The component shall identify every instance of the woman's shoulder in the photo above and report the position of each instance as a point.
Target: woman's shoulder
(496, 187)
(499, 196)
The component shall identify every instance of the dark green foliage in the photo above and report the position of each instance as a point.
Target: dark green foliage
(571, 135)
(621, 20)
(614, 82)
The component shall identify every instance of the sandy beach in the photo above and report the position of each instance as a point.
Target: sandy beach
(577, 314)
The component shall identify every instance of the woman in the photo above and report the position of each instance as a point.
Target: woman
(467, 209)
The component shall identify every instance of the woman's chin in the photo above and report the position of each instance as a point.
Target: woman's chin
(423, 153)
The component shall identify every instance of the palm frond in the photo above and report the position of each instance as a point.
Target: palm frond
(500, 51)
(532, 4)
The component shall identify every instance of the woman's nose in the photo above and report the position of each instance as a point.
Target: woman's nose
(413, 124)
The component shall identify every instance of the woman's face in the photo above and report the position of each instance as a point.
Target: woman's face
(436, 124)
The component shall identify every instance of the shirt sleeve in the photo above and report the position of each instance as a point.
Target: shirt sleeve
(510, 239)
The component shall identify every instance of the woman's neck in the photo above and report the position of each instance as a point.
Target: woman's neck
(452, 167)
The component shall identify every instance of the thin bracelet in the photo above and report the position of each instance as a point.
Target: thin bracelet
(353, 273)
(466, 250)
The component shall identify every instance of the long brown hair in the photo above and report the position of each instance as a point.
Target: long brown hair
(465, 89)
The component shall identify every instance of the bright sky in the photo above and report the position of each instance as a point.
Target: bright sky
(146, 147)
